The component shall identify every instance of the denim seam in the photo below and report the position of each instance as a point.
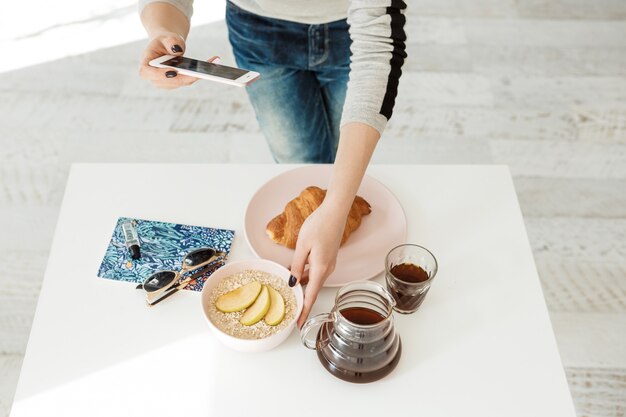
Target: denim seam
(329, 132)
(326, 44)
(310, 46)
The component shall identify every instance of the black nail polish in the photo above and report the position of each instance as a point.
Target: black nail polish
(171, 74)
(176, 49)
(292, 281)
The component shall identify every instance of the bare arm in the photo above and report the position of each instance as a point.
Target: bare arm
(159, 18)
(167, 27)
(378, 52)
(320, 236)
(356, 146)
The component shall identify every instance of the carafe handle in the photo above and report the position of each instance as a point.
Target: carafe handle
(314, 322)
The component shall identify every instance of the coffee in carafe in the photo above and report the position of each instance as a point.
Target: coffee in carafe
(356, 341)
(362, 316)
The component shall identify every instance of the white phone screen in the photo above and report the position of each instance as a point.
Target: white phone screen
(205, 67)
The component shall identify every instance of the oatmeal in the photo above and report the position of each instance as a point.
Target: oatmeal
(229, 322)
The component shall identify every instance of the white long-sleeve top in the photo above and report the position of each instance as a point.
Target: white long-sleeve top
(378, 46)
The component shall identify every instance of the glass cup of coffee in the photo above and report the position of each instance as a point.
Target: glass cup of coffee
(409, 272)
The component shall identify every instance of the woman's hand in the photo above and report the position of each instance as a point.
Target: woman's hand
(318, 244)
(165, 43)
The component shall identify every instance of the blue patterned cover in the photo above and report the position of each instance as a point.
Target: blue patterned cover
(163, 247)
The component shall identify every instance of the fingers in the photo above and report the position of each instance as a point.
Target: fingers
(163, 77)
(310, 295)
(167, 78)
(175, 80)
(163, 45)
(173, 44)
(298, 261)
(317, 274)
(181, 79)
(170, 44)
(304, 279)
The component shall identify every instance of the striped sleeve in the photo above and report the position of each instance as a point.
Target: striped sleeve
(185, 6)
(378, 53)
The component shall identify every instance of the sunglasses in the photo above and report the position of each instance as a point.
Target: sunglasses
(164, 284)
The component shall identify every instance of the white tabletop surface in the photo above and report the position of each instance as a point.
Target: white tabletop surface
(480, 345)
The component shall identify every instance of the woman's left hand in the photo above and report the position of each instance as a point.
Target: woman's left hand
(318, 244)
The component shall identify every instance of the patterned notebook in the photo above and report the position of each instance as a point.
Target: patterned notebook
(163, 247)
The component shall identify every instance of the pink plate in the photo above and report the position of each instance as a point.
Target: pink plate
(363, 254)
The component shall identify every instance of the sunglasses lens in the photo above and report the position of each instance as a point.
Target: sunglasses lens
(159, 280)
(198, 257)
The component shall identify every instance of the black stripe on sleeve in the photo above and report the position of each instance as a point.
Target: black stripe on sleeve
(398, 38)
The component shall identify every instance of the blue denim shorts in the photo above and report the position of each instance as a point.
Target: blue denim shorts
(304, 70)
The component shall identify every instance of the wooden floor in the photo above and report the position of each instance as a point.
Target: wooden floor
(539, 85)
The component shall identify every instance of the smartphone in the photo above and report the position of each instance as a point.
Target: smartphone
(206, 70)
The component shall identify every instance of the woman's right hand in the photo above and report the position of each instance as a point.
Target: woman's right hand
(166, 43)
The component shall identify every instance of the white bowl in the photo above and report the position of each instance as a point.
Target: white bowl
(250, 345)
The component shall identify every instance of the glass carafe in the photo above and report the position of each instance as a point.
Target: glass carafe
(356, 341)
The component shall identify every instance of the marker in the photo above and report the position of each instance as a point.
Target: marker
(131, 239)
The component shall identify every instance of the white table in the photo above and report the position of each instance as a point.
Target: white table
(480, 345)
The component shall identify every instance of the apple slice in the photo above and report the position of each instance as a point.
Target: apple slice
(276, 313)
(239, 299)
(257, 310)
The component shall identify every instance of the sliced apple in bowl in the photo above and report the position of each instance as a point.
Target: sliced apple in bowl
(276, 313)
(258, 310)
(240, 298)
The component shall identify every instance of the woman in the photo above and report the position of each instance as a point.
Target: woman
(306, 107)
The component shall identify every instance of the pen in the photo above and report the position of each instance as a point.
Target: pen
(131, 239)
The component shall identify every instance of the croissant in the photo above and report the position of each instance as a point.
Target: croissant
(284, 228)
